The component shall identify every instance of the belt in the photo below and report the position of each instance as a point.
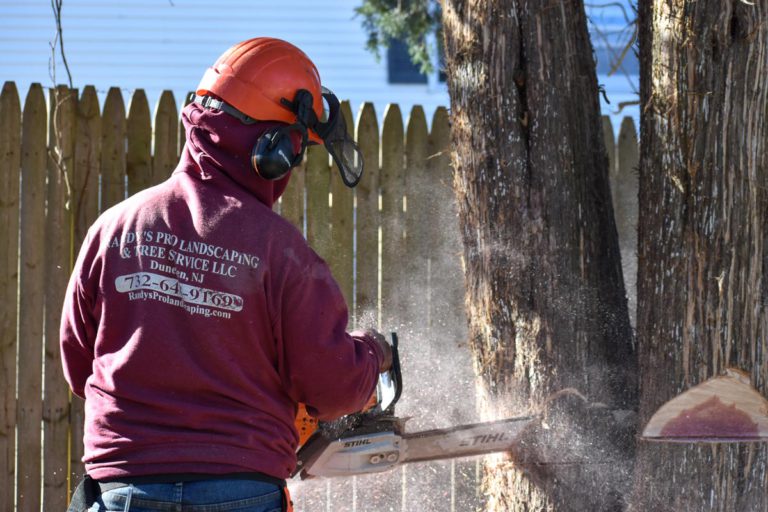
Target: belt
(89, 489)
(172, 478)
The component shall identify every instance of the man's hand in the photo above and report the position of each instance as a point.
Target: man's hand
(386, 348)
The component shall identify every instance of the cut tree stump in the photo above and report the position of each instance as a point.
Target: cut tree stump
(719, 410)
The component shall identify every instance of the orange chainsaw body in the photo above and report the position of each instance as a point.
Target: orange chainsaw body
(306, 424)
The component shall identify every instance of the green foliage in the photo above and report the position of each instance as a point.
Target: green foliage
(408, 20)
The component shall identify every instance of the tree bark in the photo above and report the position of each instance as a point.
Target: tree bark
(545, 298)
(703, 258)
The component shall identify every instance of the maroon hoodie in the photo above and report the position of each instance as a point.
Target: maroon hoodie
(196, 318)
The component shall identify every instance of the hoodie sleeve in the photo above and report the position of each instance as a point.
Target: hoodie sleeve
(78, 325)
(329, 370)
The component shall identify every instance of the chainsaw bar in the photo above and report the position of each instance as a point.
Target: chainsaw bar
(375, 441)
(465, 440)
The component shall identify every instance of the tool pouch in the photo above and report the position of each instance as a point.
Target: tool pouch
(84, 496)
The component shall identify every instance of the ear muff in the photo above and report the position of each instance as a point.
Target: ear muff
(273, 155)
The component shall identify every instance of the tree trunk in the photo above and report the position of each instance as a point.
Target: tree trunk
(545, 298)
(702, 289)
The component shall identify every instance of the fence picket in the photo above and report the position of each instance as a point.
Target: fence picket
(448, 328)
(86, 173)
(318, 174)
(138, 160)
(342, 216)
(392, 182)
(182, 133)
(368, 219)
(10, 149)
(86, 209)
(386, 488)
(292, 201)
(61, 125)
(610, 143)
(31, 297)
(624, 187)
(112, 149)
(446, 275)
(166, 138)
(417, 223)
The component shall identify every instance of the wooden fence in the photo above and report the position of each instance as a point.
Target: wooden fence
(392, 244)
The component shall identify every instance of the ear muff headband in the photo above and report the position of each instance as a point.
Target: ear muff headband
(273, 155)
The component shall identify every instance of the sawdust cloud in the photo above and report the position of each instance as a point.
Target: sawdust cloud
(439, 391)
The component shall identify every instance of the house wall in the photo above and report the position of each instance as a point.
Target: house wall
(167, 44)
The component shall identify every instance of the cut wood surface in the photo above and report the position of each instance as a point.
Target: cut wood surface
(722, 409)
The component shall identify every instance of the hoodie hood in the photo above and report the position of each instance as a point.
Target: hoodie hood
(217, 144)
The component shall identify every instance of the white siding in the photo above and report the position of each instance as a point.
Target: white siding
(167, 44)
(156, 45)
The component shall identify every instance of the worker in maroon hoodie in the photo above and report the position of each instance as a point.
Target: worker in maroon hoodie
(196, 318)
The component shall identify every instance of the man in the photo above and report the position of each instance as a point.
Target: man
(196, 319)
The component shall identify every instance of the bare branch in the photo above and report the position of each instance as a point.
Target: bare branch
(56, 7)
(612, 4)
(55, 151)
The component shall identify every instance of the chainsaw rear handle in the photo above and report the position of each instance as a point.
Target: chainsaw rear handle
(389, 386)
(395, 370)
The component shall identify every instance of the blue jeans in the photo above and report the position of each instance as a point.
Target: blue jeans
(201, 496)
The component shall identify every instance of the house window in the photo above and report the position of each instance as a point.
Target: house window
(401, 69)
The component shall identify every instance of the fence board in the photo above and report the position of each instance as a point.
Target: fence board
(10, 162)
(318, 174)
(292, 201)
(610, 143)
(448, 328)
(86, 191)
(87, 162)
(367, 312)
(31, 293)
(112, 149)
(378, 491)
(138, 160)
(342, 224)
(318, 220)
(182, 133)
(368, 218)
(166, 138)
(417, 224)
(392, 182)
(420, 223)
(61, 138)
(624, 187)
(446, 274)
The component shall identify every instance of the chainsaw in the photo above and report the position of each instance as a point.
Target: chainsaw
(722, 409)
(375, 440)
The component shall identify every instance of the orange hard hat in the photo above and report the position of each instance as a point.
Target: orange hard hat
(255, 75)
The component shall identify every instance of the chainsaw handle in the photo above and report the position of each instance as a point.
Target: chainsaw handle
(396, 373)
